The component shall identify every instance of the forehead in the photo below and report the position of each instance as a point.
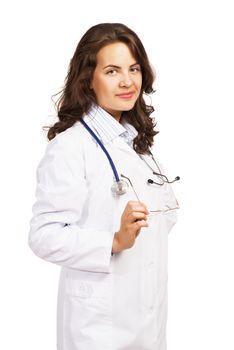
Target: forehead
(116, 53)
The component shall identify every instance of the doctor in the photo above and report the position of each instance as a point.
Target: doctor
(104, 206)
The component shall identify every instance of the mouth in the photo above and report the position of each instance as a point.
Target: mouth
(126, 96)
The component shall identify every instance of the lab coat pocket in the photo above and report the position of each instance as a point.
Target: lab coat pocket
(170, 201)
(88, 312)
(88, 301)
(87, 288)
(170, 220)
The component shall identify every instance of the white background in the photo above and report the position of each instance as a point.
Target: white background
(190, 44)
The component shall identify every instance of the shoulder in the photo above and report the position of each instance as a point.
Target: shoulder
(72, 140)
(64, 154)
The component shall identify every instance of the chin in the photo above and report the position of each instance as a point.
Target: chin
(128, 107)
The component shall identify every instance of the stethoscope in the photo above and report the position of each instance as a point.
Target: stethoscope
(120, 186)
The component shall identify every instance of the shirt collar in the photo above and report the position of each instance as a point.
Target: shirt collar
(107, 127)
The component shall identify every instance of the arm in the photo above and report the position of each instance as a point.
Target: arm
(55, 234)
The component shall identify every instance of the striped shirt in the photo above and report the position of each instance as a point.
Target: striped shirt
(107, 127)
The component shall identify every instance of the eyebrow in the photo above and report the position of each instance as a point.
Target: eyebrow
(113, 66)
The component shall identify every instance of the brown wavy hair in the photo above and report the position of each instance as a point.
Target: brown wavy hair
(77, 97)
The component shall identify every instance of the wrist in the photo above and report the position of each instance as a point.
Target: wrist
(115, 245)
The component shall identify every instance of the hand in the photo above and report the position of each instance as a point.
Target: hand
(132, 220)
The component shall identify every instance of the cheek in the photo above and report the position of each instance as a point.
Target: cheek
(139, 82)
(98, 84)
(99, 88)
(138, 85)
(107, 87)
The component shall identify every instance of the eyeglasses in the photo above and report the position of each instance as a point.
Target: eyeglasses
(167, 208)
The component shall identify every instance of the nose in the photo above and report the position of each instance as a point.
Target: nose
(125, 81)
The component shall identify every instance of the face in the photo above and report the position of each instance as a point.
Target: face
(117, 79)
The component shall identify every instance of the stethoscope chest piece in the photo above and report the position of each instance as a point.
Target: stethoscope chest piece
(119, 187)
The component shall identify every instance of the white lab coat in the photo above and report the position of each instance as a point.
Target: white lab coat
(105, 302)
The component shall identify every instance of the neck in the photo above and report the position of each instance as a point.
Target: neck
(116, 116)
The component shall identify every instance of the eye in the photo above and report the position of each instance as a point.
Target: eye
(112, 72)
(135, 69)
(115, 71)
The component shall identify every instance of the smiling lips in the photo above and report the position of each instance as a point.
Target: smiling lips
(126, 95)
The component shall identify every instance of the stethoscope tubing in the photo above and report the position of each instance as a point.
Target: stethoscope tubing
(103, 148)
(118, 181)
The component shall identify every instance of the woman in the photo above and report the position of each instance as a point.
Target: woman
(103, 208)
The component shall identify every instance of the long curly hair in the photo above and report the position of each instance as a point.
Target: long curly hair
(77, 97)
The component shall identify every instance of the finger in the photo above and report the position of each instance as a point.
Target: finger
(140, 224)
(137, 207)
(137, 233)
(136, 215)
